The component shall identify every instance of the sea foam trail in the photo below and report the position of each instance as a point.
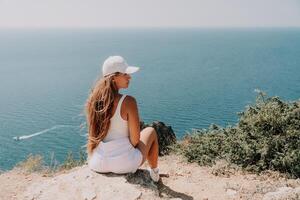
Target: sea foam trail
(23, 137)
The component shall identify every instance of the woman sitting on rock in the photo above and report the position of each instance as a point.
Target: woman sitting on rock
(115, 142)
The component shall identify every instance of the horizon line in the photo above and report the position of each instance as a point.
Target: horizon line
(146, 27)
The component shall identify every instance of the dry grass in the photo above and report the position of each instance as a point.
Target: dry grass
(36, 164)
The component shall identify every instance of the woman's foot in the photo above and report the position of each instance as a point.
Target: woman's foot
(154, 174)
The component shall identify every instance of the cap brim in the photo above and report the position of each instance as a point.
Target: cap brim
(131, 69)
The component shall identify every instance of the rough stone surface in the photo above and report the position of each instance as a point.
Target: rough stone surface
(283, 193)
(179, 180)
(82, 183)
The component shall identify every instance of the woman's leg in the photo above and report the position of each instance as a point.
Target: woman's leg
(148, 145)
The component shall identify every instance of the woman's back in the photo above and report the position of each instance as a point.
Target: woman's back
(118, 126)
(115, 153)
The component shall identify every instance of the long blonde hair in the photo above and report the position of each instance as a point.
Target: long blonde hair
(98, 109)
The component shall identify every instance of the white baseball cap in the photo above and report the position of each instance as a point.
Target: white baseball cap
(117, 64)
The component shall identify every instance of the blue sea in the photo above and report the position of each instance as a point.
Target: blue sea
(188, 78)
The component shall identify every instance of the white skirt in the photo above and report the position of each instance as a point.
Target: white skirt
(117, 156)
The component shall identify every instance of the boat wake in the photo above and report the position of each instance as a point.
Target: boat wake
(23, 137)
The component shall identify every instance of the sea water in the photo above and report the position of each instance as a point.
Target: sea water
(188, 79)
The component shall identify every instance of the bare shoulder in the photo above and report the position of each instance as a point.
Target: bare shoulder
(130, 102)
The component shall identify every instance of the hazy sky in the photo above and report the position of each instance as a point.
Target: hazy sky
(150, 13)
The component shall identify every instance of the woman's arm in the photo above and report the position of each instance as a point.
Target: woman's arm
(133, 121)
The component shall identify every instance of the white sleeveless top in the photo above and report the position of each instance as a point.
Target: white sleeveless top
(115, 153)
(118, 126)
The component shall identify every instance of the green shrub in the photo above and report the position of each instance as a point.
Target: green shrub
(203, 146)
(267, 137)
